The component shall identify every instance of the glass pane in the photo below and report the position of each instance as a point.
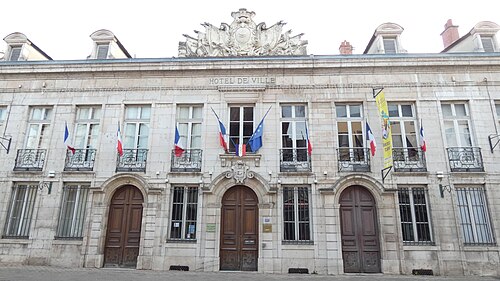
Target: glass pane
(234, 114)
(356, 128)
(342, 128)
(286, 111)
(300, 111)
(460, 110)
(465, 138)
(393, 110)
(131, 112)
(248, 114)
(183, 112)
(80, 136)
(83, 113)
(396, 127)
(406, 110)
(197, 112)
(300, 128)
(247, 129)
(446, 108)
(129, 141)
(498, 109)
(343, 141)
(355, 110)
(96, 113)
(36, 114)
(449, 129)
(341, 110)
(146, 112)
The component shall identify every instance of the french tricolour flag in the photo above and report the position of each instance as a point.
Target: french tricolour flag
(119, 143)
(423, 144)
(309, 146)
(178, 147)
(66, 138)
(241, 149)
(222, 132)
(371, 139)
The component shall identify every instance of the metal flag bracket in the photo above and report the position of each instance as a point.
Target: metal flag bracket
(493, 138)
(5, 143)
(385, 172)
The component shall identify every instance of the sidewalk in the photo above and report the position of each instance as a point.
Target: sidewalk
(45, 273)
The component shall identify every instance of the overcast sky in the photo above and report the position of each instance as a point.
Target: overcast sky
(151, 29)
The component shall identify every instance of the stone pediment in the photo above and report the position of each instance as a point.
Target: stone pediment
(242, 38)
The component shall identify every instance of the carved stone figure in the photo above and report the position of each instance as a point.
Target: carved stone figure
(242, 38)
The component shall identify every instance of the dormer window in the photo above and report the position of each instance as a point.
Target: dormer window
(390, 45)
(102, 51)
(15, 53)
(488, 45)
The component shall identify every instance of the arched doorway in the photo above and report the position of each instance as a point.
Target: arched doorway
(360, 238)
(124, 228)
(239, 239)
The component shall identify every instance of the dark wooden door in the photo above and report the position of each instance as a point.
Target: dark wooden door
(360, 241)
(239, 246)
(124, 228)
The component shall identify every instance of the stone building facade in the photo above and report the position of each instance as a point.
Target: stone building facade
(69, 198)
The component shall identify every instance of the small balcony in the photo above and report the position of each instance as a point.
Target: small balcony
(30, 159)
(410, 159)
(132, 160)
(295, 160)
(353, 159)
(81, 160)
(465, 159)
(189, 161)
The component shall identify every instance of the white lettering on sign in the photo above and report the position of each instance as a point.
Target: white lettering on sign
(242, 81)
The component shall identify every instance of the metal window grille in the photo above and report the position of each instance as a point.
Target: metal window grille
(184, 213)
(474, 218)
(20, 214)
(73, 208)
(296, 215)
(414, 213)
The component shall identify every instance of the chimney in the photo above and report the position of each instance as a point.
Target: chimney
(345, 48)
(450, 33)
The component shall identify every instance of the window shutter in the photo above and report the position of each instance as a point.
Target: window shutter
(15, 52)
(488, 44)
(102, 51)
(390, 46)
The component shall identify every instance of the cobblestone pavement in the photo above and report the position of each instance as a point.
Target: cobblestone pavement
(45, 273)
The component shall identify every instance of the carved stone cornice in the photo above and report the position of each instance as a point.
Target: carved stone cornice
(242, 38)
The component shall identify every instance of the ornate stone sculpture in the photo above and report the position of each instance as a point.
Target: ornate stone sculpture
(240, 172)
(242, 38)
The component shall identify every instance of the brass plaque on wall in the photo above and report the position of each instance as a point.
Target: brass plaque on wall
(267, 228)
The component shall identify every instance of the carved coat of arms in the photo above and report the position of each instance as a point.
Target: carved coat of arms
(242, 38)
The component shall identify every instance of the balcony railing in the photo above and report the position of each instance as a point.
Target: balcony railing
(133, 160)
(295, 160)
(81, 160)
(189, 161)
(410, 159)
(353, 159)
(30, 159)
(465, 159)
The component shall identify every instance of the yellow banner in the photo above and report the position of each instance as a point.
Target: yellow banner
(386, 129)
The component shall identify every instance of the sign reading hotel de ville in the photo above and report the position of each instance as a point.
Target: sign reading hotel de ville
(242, 81)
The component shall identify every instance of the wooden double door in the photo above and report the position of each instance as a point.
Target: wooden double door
(239, 246)
(124, 228)
(360, 238)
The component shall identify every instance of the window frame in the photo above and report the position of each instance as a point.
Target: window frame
(99, 51)
(393, 41)
(23, 225)
(3, 118)
(411, 190)
(467, 210)
(456, 119)
(138, 121)
(491, 40)
(41, 125)
(78, 211)
(186, 138)
(293, 120)
(296, 239)
(18, 54)
(241, 137)
(90, 141)
(349, 119)
(183, 221)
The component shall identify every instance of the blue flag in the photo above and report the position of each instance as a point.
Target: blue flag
(255, 140)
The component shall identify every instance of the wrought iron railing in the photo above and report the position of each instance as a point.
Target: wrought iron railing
(189, 161)
(295, 160)
(30, 159)
(132, 160)
(353, 159)
(465, 159)
(411, 159)
(81, 160)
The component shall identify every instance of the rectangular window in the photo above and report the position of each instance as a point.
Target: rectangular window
(87, 127)
(474, 217)
(403, 125)
(296, 214)
(72, 215)
(137, 126)
(20, 212)
(414, 213)
(487, 42)
(390, 45)
(102, 51)
(240, 126)
(350, 132)
(15, 53)
(184, 213)
(293, 133)
(457, 124)
(37, 128)
(189, 121)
